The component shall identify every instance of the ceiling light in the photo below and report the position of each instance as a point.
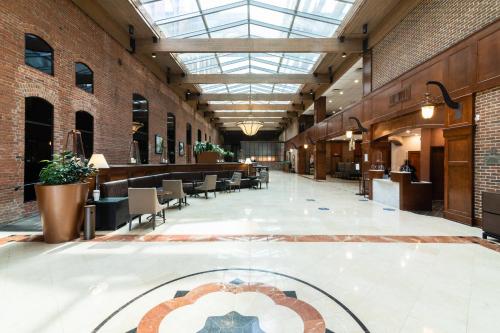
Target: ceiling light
(329, 101)
(250, 127)
(153, 55)
(340, 108)
(408, 131)
(356, 81)
(344, 55)
(306, 146)
(341, 92)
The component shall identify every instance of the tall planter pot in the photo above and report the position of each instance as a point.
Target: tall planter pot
(61, 209)
(207, 157)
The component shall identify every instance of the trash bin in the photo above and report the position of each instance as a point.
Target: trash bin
(89, 222)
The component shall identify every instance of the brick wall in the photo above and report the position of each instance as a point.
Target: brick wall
(117, 75)
(432, 27)
(487, 143)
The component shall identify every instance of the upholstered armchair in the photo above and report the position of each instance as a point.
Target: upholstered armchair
(263, 178)
(235, 181)
(174, 187)
(208, 185)
(144, 201)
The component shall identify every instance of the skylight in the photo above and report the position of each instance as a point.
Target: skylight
(247, 19)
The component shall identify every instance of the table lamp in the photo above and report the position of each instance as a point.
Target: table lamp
(248, 162)
(98, 162)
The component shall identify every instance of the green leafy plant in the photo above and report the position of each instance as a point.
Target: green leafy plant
(65, 168)
(200, 147)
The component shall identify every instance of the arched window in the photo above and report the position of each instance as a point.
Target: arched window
(38, 137)
(84, 122)
(140, 114)
(171, 137)
(84, 77)
(209, 138)
(199, 135)
(205, 136)
(38, 54)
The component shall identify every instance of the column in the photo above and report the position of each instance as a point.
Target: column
(301, 160)
(320, 151)
(320, 160)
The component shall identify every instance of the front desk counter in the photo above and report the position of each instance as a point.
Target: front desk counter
(400, 192)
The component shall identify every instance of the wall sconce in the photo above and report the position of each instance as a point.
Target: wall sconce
(305, 146)
(348, 134)
(429, 104)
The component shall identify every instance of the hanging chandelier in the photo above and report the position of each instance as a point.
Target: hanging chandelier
(251, 126)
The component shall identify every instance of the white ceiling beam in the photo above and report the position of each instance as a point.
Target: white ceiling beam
(203, 98)
(278, 107)
(250, 79)
(250, 45)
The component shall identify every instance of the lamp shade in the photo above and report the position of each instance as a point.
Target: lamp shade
(250, 127)
(98, 161)
(248, 160)
(427, 111)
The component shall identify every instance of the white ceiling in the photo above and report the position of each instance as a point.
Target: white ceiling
(346, 91)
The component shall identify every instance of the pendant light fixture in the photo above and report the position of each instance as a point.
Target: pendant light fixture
(251, 126)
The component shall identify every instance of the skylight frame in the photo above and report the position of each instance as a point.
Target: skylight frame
(301, 65)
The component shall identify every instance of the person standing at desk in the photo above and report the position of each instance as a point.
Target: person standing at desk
(407, 167)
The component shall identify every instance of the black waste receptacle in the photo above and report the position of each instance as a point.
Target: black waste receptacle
(89, 222)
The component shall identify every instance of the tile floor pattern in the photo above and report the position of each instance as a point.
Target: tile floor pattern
(355, 267)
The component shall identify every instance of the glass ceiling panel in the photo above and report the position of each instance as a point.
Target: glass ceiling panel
(208, 4)
(318, 28)
(248, 19)
(240, 31)
(328, 8)
(226, 16)
(270, 16)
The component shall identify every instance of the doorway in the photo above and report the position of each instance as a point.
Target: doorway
(38, 137)
(437, 172)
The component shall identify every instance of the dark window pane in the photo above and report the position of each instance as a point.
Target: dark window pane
(188, 134)
(38, 54)
(171, 137)
(38, 135)
(84, 122)
(84, 77)
(140, 109)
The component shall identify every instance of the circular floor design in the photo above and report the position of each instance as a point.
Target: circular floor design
(234, 300)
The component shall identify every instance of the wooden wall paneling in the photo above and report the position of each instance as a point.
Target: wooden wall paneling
(488, 54)
(417, 83)
(458, 170)
(462, 117)
(461, 69)
(334, 126)
(381, 108)
(367, 111)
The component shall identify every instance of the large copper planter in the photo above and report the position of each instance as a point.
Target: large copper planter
(209, 157)
(61, 210)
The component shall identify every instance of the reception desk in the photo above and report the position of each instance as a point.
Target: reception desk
(400, 192)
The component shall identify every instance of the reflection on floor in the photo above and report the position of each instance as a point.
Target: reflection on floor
(31, 223)
(259, 261)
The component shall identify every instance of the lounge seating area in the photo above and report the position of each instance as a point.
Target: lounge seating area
(115, 208)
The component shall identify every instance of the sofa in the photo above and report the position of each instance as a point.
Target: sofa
(112, 209)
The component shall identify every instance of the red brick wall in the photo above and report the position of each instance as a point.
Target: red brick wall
(75, 38)
(487, 143)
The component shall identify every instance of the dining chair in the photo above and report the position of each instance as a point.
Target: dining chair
(144, 201)
(176, 191)
(209, 184)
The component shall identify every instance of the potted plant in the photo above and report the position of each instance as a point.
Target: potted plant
(61, 196)
(205, 152)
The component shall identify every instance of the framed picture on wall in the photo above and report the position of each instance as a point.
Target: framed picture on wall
(158, 144)
(181, 148)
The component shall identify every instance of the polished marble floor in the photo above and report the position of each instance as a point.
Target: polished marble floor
(301, 256)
